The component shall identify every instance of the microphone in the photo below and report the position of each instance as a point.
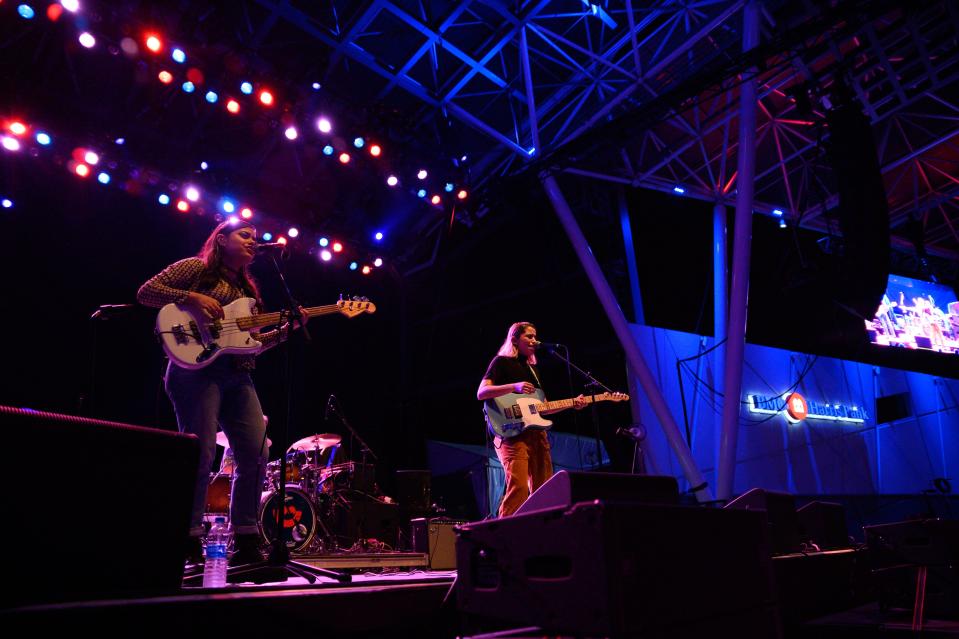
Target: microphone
(329, 408)
(266, 246)
(549, 346)
(106, 311)
(634, 433)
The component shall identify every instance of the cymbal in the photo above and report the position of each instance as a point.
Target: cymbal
(221, 440)
(321, 441)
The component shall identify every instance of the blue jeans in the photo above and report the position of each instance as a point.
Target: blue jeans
(222, 394)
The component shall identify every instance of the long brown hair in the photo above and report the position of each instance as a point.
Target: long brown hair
(212, 255)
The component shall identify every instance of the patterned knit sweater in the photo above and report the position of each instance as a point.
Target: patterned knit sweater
(175, 282)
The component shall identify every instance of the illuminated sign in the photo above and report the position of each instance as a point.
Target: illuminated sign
(795, 408)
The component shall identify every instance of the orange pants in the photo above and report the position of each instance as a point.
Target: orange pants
(528, 465)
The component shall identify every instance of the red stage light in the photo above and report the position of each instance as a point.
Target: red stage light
(165, 77)
(183, 206)
(375, 150)
(54, 11)
(153, 42)
(337, 247)
(345, 158)
(81, 169)
(266, 98)
(17, 128)
(462, 194)
(246, 213)
(281, 240)
(195, 76)
(233, 106)
(436, 199)
(367, 270)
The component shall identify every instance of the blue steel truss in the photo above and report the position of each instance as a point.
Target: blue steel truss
(517, 81)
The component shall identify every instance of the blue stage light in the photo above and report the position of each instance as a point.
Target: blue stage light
(378, 236)
(227, 205)
(267, 237)
(778, 212)
(178, 56)
(679, 189)
(7, 203)
(421, 193)
(188, 87)
(328, 150)
(26, 11)
(323, 241)
(43, 139)
(449, 187)
(359, 142)
(212, 97)
(354, 266)
(246, 88)
(103, 177)
(163, 199)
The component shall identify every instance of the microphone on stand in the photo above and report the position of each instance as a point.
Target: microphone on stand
(266, 246)
(634, 433)
(549, 346)
(107, 311)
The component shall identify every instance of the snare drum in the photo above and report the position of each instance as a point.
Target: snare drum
(299, 518)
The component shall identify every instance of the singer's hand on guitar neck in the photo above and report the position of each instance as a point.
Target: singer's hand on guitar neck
(204, 304)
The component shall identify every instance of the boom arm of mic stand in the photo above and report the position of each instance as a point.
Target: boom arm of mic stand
(346, 422)
(592, 380)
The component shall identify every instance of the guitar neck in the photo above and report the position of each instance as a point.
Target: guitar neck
(266, 319)
(562, 404)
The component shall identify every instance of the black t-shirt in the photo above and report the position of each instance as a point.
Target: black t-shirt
(509, 370)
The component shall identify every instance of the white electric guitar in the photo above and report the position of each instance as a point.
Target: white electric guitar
(193, 342)
(509, 415)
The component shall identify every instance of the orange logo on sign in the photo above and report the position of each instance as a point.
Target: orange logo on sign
(796, 408)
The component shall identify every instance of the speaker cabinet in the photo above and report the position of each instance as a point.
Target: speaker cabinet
(621, 569)
(780, 509)
(569, 487)
(823, 523)
(100, 509)
(437, 538)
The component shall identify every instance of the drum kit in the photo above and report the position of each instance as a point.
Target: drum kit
(318, 483)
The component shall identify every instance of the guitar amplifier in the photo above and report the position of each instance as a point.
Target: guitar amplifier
(436, 537)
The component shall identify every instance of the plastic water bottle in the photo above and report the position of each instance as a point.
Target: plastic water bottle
(215, 549)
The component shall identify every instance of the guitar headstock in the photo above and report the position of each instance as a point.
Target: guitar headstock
(355, 306)
(617, 397)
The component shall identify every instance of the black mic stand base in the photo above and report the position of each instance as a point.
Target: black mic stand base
(277, 567)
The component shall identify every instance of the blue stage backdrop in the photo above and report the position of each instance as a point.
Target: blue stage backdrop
(827, 440)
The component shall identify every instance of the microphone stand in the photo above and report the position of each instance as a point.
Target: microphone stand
(365, 450)
(278, 566)
(591, 383)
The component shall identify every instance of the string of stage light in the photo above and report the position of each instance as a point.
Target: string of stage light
(19, 138)
(191, 80)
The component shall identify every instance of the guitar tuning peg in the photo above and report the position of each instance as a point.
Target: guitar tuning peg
(364, 299)
(341, 297)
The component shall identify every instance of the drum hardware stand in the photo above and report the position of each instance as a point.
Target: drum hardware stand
(333, 406)
(278, 566)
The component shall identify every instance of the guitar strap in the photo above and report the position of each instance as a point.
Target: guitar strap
(535, 375)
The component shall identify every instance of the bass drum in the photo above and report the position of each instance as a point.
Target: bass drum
(299, 517)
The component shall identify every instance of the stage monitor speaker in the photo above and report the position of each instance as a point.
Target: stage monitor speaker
(824, 524)
(898, 550)
(619, 569)
(100, 509)
(437, 538)
(781, 517)
(568, 487)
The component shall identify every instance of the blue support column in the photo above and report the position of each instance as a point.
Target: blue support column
(621, 327)
(736, 340)
(720, 315)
